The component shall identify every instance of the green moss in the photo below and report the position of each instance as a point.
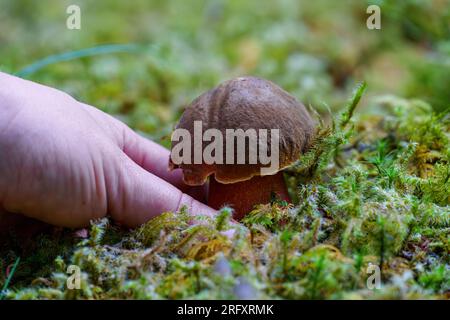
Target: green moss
(374, 186)
(355, 206)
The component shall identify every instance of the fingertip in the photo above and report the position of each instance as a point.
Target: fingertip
(145, 196)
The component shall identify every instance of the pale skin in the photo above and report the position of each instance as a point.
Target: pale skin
(65, 163)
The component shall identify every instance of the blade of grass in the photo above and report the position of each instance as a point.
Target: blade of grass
(8, 279)
(72, 55)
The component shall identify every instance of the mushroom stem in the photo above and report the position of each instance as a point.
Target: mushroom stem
(242, 196)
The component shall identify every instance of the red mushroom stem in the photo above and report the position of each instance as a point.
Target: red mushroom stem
(242, 196)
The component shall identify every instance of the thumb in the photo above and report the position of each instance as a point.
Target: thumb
(136, 196)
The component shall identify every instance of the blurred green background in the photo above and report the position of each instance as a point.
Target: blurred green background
(170, 52)
(317, 50)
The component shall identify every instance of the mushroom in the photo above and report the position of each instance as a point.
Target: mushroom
(244, 103)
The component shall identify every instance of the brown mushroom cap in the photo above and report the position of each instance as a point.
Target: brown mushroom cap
(246, 103)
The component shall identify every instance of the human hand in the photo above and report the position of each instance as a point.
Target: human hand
(65, 162)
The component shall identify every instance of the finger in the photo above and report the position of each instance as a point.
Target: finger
(136, 195)
(146, 153)
(155, 159)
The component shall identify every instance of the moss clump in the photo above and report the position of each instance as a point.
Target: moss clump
(372, 191)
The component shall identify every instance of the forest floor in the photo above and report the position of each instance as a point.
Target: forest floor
(370, 217)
